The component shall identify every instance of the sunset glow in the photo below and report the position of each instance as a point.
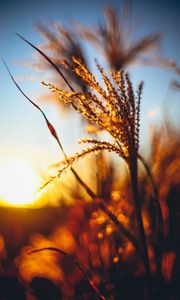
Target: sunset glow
(18, 182)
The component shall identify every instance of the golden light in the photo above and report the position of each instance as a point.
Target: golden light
(18, 182)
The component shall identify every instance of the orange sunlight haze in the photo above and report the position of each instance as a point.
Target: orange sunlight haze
(18, 182)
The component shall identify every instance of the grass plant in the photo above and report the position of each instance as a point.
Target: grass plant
(113, 106)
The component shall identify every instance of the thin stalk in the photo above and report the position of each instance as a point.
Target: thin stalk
(159, 218)
(98, 202)
(121, 228)
(138, 210)
(77, 264)
(148, 170)
(49, 60)
(158, 221)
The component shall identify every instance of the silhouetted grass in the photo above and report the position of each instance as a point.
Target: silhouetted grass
(130, 228)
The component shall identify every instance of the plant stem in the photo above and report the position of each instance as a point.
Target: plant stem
(137, 204)
(99, 202)
(158, 236)
(77, 264)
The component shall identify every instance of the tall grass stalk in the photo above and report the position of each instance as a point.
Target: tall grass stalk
(117, 112)
(158, 234)
(100, 203)
(138, 210)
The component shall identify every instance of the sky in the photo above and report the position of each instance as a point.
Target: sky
(23, 131)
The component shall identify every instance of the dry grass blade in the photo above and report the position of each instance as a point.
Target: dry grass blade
(49, 125)
(61, 44)
(77, 264)
(49, 60)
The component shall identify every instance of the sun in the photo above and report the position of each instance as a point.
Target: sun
(18, 182)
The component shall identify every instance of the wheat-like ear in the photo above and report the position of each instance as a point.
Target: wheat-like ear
(82, 70)
(110, 146)
(98, 146)
(137, 115)
(69, 161)
(116, 109)
(90, 150)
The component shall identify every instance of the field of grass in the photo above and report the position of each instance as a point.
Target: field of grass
(119, 237)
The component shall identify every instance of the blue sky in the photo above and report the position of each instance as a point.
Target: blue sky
(23, 131)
